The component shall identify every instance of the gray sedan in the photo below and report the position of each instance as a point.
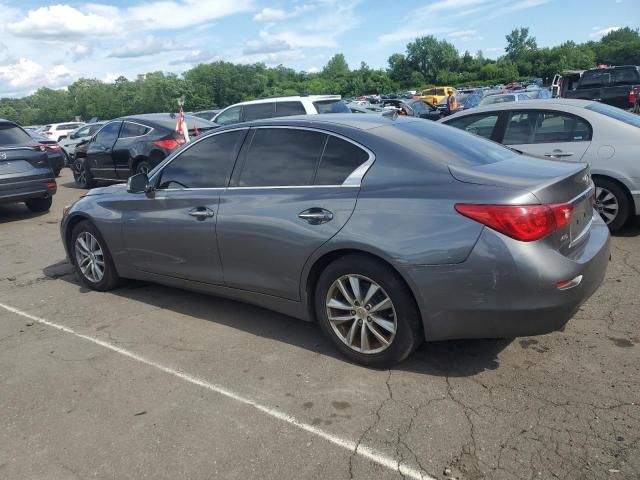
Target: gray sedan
(575, 130)
(387, 231)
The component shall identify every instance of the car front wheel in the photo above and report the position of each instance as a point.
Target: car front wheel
(92, 259)
(82, 175)
(367, 311)
(38, 205)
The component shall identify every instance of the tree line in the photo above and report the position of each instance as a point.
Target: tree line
(426, 61)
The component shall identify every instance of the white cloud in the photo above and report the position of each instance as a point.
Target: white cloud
(79, 52)
(271, 59)
(142, 48)
(601, 32)
(313, 70)
(61, 22)
(462, 33)
(266, 46)
(276, 14)
(27, 74)
(404, 34)
(196, 56)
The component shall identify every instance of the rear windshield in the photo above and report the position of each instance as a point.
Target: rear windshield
(331, 106)
(445, 145)
(617, 113)
(13, 135)
(498, 99)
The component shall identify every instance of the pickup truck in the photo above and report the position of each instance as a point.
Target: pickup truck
(610, 85)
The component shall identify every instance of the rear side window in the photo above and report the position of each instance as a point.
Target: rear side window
(286, 109)
(133, 130)
(258, 111)
(545, 127)
(595, 79)
(207, 164)
(13, 135)
(339, 160)
(481, 125)
(331, 106)
(625, 76)
(281, 157)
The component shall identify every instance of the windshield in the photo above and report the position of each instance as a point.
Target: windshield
(617, 113)
(12, 135)
(331, 106)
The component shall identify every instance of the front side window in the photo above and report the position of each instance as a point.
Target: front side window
(281, 157)
(229, 116)
(93, 129)
(133, 130)
(481, 125)
(108, 135)
(83, 132)
(206, 164)
(339, 160)
(258, 111)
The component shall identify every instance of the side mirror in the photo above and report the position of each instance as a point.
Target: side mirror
(138, 183)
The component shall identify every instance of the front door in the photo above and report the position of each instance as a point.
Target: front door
(545, 133)
(287, 198)
(172, 230)
(100, 149)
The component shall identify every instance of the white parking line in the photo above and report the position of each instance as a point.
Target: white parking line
(350, 445)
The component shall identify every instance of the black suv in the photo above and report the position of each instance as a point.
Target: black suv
(607, 85)
(25, 172)
(129, 145)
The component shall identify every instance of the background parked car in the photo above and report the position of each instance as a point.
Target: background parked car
(55, 154)
(78, 136)
(503, 98)
(465, 102)
(382, 253)
(207, 114)
(281, 107)
(421, 109)
(606, 137)
(435, 95)
(25, 172)
(58, 131)
(607, 85)
(129, 145)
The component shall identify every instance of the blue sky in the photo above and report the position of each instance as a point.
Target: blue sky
(44, 43)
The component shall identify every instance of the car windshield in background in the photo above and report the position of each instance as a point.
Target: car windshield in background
(331, 106)
(448, 146)
(12, 135)
(493, 99)
(617, 113)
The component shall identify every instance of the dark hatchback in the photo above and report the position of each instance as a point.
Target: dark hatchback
(55, 154)
(129, 145)
(25, 172)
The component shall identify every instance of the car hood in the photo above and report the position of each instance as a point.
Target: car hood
(110, 190)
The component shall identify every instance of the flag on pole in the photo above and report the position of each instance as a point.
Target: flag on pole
(181, 125)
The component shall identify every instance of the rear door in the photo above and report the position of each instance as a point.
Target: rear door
(289, 194)
(99, 151)
(547, 133)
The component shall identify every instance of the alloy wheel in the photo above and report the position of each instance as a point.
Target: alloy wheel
(144, 168)
(361, 314)
(90, 257)
(81, 173)
(606, 204)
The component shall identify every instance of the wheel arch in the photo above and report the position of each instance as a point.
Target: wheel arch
(71, 224)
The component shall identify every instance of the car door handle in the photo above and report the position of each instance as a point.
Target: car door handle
(201, 213)
(559, 154)
(316, 216)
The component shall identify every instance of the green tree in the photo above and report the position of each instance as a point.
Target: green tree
(429, 56)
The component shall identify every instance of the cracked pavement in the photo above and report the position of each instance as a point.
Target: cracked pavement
(563, 405)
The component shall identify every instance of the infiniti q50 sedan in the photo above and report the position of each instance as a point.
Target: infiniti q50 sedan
(388, 231)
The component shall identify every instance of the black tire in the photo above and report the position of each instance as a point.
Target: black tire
(110, 278)
(143, 167)
(38, 205)
(57, 171)
(624, 207)
(408, 335)
(82, 175)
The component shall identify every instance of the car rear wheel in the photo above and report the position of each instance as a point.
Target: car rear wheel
(367, 311)
(82, 175)
(92, 259)
(37, 205)
(143, 167)
(611, 203)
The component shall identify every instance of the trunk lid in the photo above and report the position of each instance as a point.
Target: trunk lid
(549, 181)
(21, 159)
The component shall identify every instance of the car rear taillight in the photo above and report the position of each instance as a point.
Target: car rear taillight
(526, 223)
(53, 148)
(40, 148)
(169, 143)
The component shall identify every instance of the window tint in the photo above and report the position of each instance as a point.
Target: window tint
(207, 164)
(481, 125)
(82, 132)
(285, 109)
(258, 111)
(595, 79)
(281, 157)
(331, 106)
(133, 130)
(12, 135)
(109, 134)
(93, 129)
(68, 126)
(339, 159)
(229, 116)
(616, 113)
(625, 76)
(545, 127)
(493, 99)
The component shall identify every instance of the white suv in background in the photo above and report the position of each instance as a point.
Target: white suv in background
(57, 131)
(281, 107)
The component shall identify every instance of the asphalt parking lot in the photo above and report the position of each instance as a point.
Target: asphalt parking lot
(152, 382)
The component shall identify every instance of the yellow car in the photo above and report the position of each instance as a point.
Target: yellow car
(436, 94)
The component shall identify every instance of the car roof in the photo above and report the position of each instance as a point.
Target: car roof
(167, 120)
(535, 104)
(313, 98)
(350, 120)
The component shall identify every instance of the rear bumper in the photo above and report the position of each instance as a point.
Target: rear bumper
(508, 288)
(19, 190)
